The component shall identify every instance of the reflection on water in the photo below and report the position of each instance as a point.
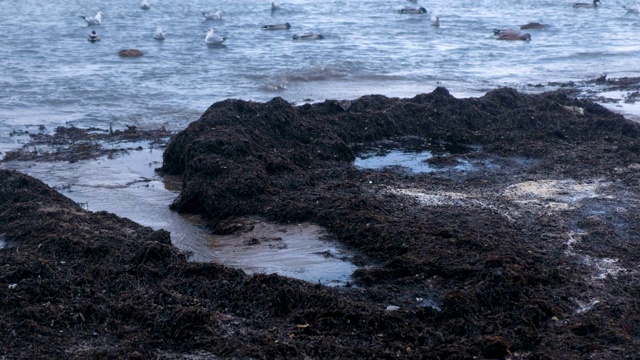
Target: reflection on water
(301, 251)
(129, 187)
(414, 162)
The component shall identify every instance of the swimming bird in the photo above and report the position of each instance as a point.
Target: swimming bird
(413, 1)
(130, 53)
(284, 26)
(531, 25)
(158, 35)
(308, 36)
(213, 39)
(208, 15)
(409, 10)
(525, 37)
(500, 32)
(144, 5)
(632, 8)
(93, 37)
(435, 21)
(587, 5)
(275, 5)
(93, 20)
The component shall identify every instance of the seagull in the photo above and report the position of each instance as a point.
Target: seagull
(435, 21)
(93, 37)
(508, 32)
(159, 35)
(308, 36)
(208, 15)
(93, 20)
(632, 8)
(587, 5)
(213, 39)
(284, 26)
(144, 5)
(275, 5)
(409, 10)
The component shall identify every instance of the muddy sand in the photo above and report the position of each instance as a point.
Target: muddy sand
(521, 242)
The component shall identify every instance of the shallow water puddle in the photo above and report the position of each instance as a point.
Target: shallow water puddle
(128, 186)
(412, 154)
(416, 162)
(302, 251)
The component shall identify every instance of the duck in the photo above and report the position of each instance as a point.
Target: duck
(435, 20)
(409, 10)
(524, 37)
(632, 8)
(144, 5)
(285, 26)
(308, 36)
(592, 5)
(500, 32)
(532, 25)
(158, 35)
(130, 53)
(213, 39)
(93, 37)
(93, 20)
(208, 15)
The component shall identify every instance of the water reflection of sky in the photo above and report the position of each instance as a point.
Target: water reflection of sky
(414, 161)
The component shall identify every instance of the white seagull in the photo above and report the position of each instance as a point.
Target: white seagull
(144, 5)
(213, 39)
(284, 26)
(308, 36)
(632, 8)
(435, 20)
(93, 20)
(159, 35)
(208, 15)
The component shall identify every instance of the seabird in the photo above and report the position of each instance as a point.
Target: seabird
(500, 32)
(435, 21)
(284, 26)
(632, 8)
(208, 15)
(93, 37)
(213, 39)
(409, 10)
(525, 37)
(130, 53)
(308, 36)
(587, 5)
(158, 35)
(93, 20)
(144, 5)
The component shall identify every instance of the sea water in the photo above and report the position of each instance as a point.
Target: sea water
(51, 75)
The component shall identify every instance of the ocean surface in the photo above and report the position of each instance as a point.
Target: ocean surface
(51, 76)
